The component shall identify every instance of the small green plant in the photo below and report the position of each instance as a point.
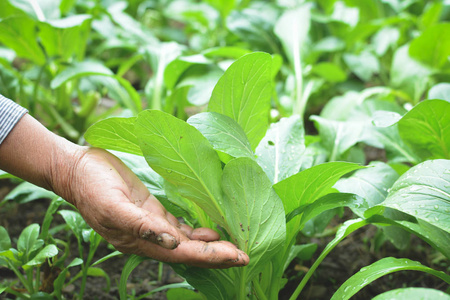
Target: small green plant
(39, 268)
(228, 170)
(29, 255)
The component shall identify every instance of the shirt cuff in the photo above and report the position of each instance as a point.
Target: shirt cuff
(10, 114)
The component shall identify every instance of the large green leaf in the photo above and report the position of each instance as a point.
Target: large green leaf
(254, 212)
(380, 268)
(114, 134)
(424, 192)
(281, 149)
(224, 134)
(19, 34)
(432, 46)
(413, 293)
(309, 185)
(183, 156)
(243, 94)
(426, 128)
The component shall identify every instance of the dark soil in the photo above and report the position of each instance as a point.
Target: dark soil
(346, 259)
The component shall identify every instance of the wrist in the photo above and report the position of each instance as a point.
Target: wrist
(64, 166)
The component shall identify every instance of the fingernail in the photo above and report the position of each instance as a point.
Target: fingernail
(167, 241)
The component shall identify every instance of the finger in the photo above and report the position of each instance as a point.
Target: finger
(220, 254)
(172, 220)
(204, 234)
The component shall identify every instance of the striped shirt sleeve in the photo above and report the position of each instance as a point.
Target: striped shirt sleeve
(10, 114)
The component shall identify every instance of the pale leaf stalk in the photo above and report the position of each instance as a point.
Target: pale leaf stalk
(158, 88)
(299, 107)
(37, 10)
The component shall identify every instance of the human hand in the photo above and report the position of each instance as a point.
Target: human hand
(117, 205)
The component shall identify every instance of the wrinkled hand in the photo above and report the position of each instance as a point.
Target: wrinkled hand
(117, 205)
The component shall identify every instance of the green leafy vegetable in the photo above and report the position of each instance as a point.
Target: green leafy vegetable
(243, 94)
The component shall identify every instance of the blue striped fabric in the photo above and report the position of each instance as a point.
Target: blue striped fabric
(10, 114)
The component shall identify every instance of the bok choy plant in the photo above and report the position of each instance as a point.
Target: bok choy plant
(258, 185)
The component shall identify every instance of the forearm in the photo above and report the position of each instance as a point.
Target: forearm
(35, 154)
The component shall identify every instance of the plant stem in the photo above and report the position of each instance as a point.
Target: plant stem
(160, 271)
(259, 292)
(299, 105)
(29, 273)
(159, 81)
(19, 295)
(243, 285)
(20, 276)
(37, 282)
(84, 268)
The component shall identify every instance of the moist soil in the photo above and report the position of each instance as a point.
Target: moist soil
(355, 252)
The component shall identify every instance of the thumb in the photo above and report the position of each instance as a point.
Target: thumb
(165, 240)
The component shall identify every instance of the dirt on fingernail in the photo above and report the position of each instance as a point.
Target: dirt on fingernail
(149, 235)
